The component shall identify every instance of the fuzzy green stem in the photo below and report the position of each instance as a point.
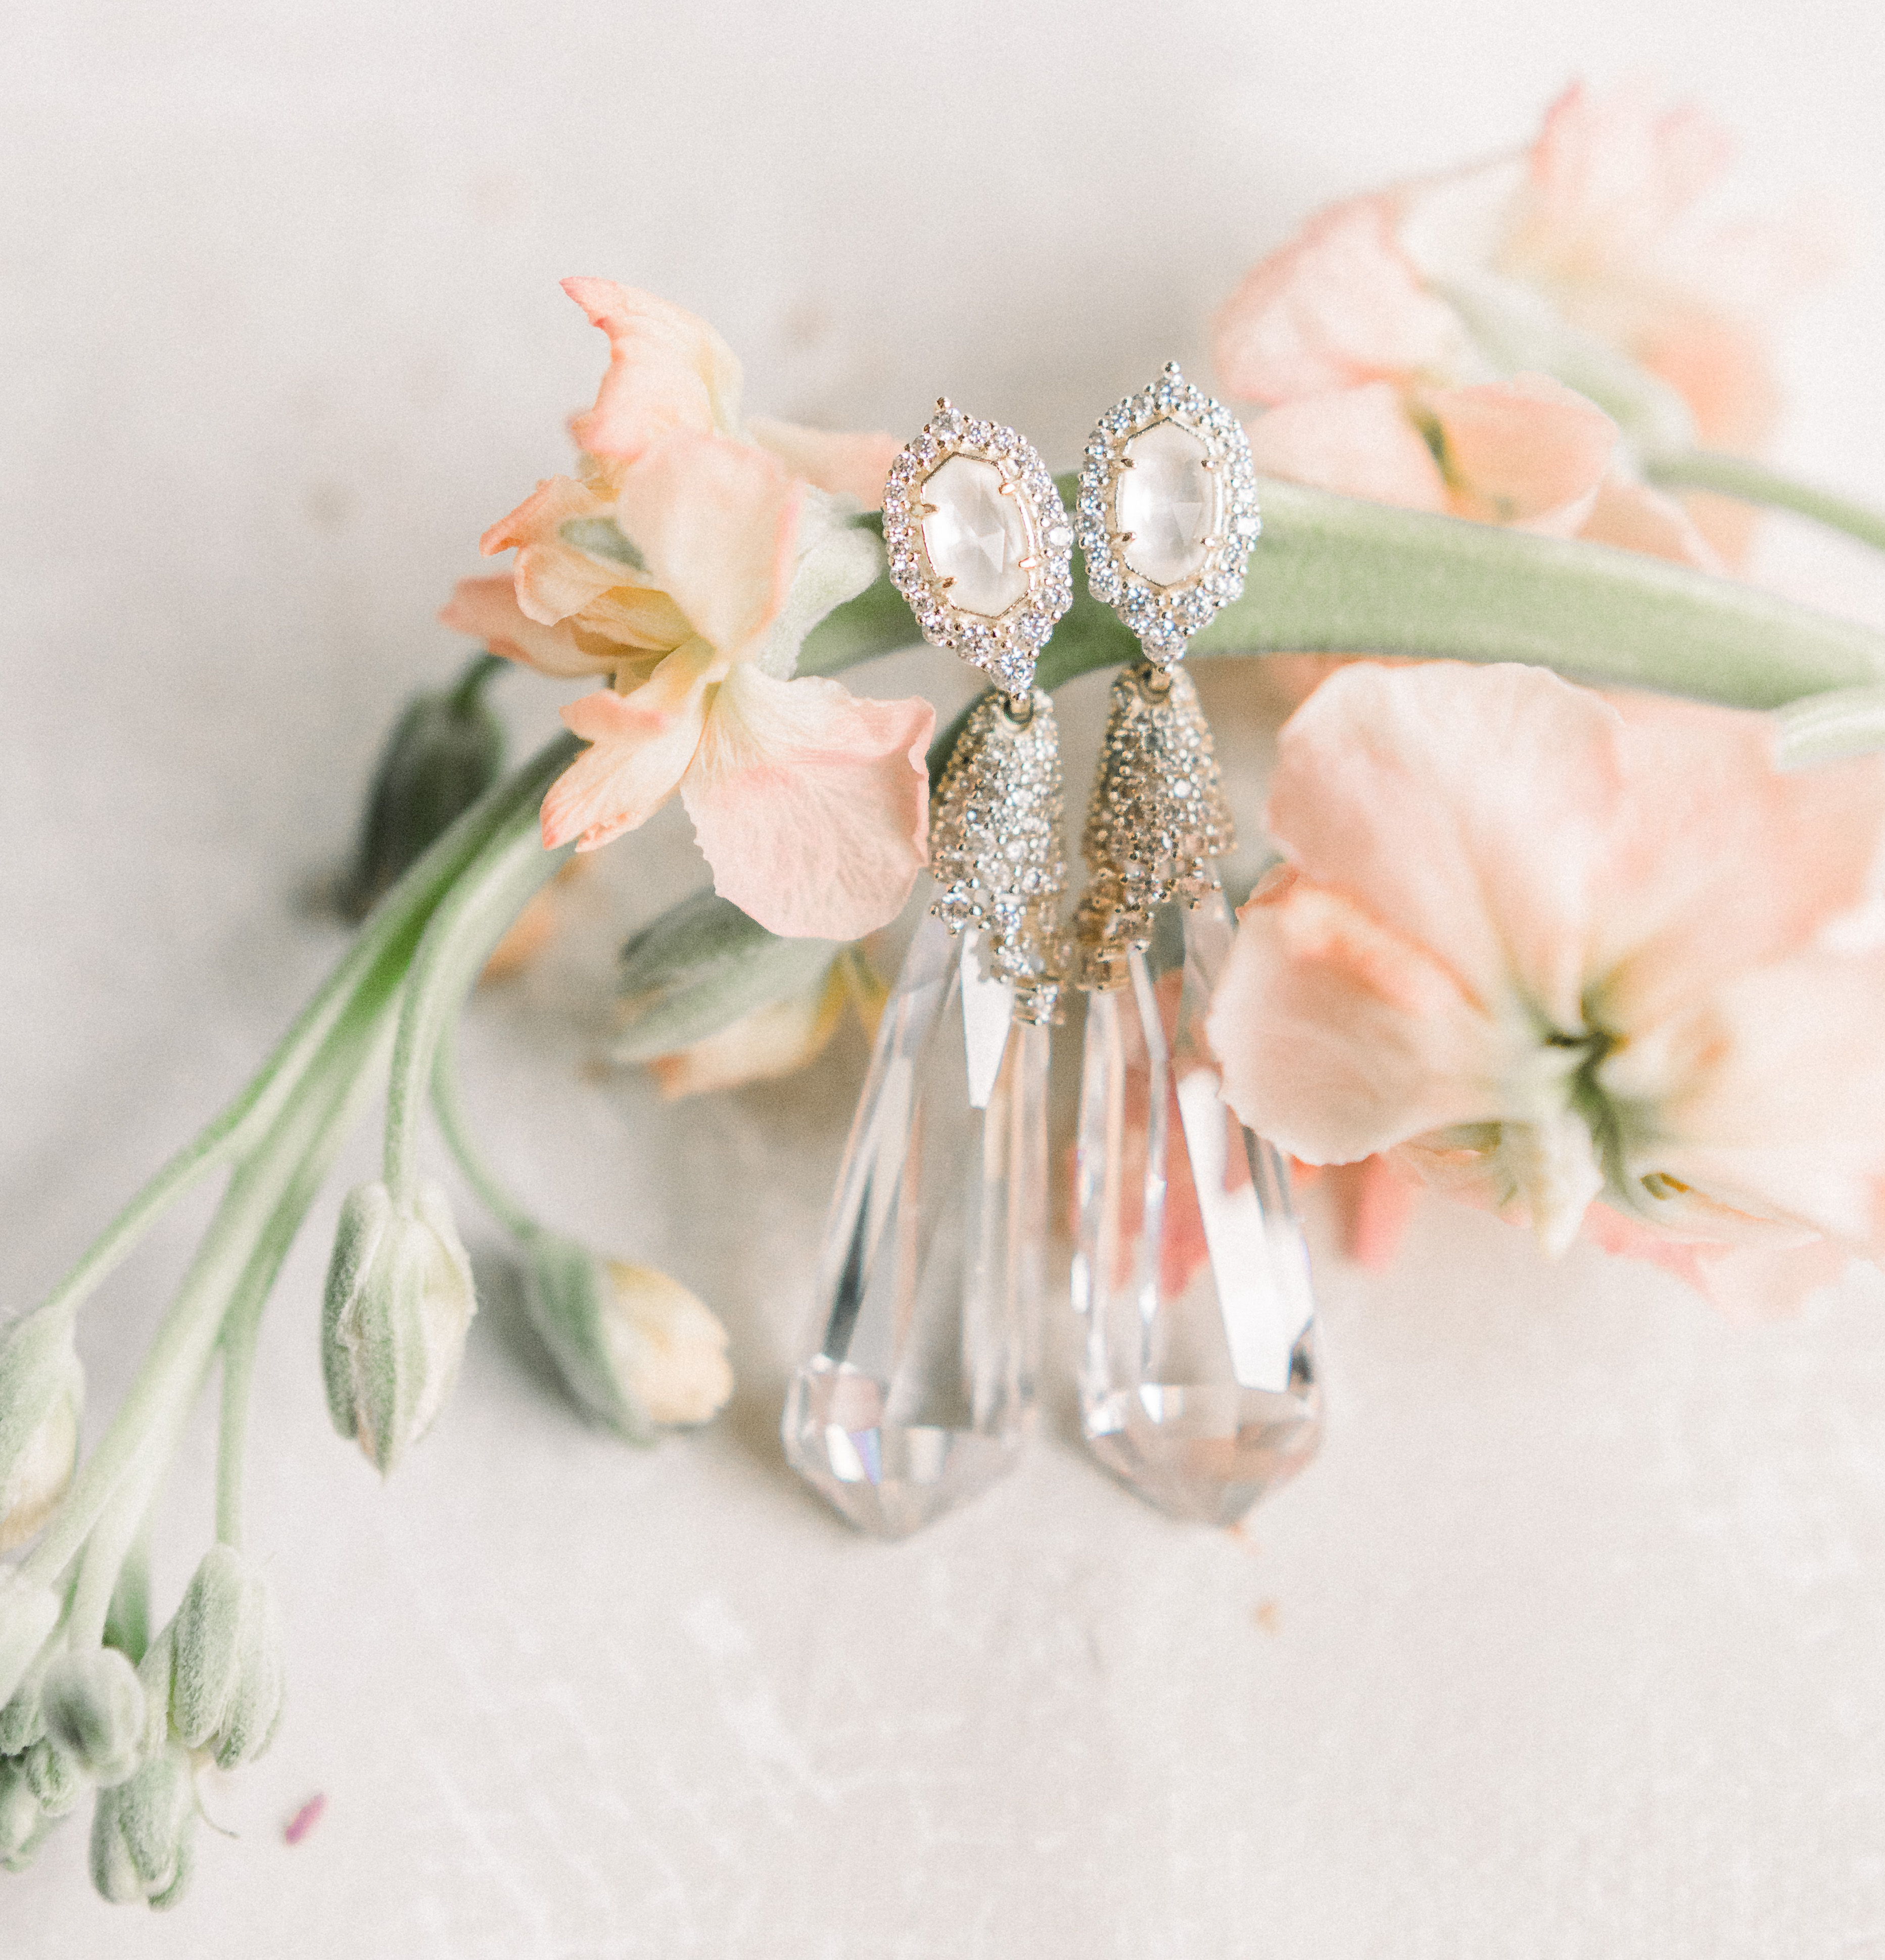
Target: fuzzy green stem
(1752, 482)
(448, 1105)
(469, 922)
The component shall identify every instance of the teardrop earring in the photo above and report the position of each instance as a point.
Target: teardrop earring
(1198, 1381)
(919, 1388)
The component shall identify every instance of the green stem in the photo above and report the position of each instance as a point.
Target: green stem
(469, 922)
(448, 1105)
(479, 670)
(1752, 482)
(393, 929)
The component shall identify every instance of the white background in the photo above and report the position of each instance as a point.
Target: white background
(1569, 1645)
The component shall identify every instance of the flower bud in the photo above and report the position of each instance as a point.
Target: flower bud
(399, 1299)
(141, 1833)
(27, 1615)
(445, 751)
(226, 1669)
(56, 1781)
(634, 1347)
(20, 1821)
(42, 1389)
(95, 1711)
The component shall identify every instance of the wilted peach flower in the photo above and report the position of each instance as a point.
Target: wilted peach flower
(1547, 950)
(685, 562)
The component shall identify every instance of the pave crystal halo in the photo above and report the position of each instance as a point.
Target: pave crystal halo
(1167, 512)
(979, 543)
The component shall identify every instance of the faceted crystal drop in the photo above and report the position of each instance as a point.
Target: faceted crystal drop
(1198, 1386)
(1166, 504)
(921, 1389)
(975, 537)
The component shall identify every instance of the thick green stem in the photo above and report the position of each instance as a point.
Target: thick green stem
(469, 922)
(448, 1105)
(1752, 482)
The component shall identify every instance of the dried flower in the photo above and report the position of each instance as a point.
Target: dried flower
(399, 1300)
(686, 562)
(1544, 949)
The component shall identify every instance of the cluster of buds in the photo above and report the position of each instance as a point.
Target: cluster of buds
(133, 1730)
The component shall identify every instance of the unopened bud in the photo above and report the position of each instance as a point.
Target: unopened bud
(19, 1816)
(445, 751)
(27, 1615)
(399, 1299)
(95, 1711)
(142, 1832)
(56, 1781)
(42, 1389)
(226, 1671)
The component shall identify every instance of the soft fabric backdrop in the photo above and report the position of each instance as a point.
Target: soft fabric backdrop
(1569, 1645)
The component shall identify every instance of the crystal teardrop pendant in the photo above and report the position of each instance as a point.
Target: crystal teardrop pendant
(921, 1391)
(920, 1387)
(1198, 1383)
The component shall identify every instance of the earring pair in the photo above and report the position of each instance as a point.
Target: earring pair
(1188, 1281)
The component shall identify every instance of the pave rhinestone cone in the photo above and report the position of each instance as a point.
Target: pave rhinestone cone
(922, 1387)
(1198, 1386)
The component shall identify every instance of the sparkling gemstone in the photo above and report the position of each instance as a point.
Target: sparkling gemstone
(975, 537)
(1168, 502)
(920, 1391)
(1198, 1385)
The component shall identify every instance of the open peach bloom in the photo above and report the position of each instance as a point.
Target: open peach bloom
(685, 563)
(1585, 256)
(1597, 965)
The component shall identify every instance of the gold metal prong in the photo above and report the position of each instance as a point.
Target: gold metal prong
(928, 510)
(947, 583)
(1027, 564)
(942, 401)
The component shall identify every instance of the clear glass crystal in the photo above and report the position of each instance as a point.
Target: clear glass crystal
(1198, 1385)
(921, 1389)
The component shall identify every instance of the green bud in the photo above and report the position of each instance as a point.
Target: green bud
(27, 1615)
(399, 1299)
(96, 1711)
(142, 1832)
(23, 1720)
(56, 1781)
(635, 1348)
(445, 751)
(21, 1824)
(42, 1389)
(226, 1678)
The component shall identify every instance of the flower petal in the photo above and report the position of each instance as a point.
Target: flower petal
(716, 523)
(811, 804)
(1339, 1037)
(1467, 808)
(1340, 305)
(1528, 453)
(1634, 517)
(668, 371)
(488, 610)
(642, 742)
(1356, 440)
(845, 465)
(553, 579)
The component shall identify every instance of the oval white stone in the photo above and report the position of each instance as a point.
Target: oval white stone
(1168, 502)
(976, 536)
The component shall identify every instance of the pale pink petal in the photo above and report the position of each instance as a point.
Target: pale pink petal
(846, 465)
(642, 744)
(553, 579)
(487, 609)
(811, 804)
(716, 523)
(1339, 1037)
(1631, 516)
(1466, 807)
(1527, 452)
(1722, 366)
(1748, 1282)
(668, 371)
(1340, 305)
(1376, 1204)
(1718, 862)
(1356, 440)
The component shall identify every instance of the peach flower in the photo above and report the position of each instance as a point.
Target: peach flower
(685, 562)
(1544, 949)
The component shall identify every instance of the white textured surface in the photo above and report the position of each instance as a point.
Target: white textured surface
(1568, 1646)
